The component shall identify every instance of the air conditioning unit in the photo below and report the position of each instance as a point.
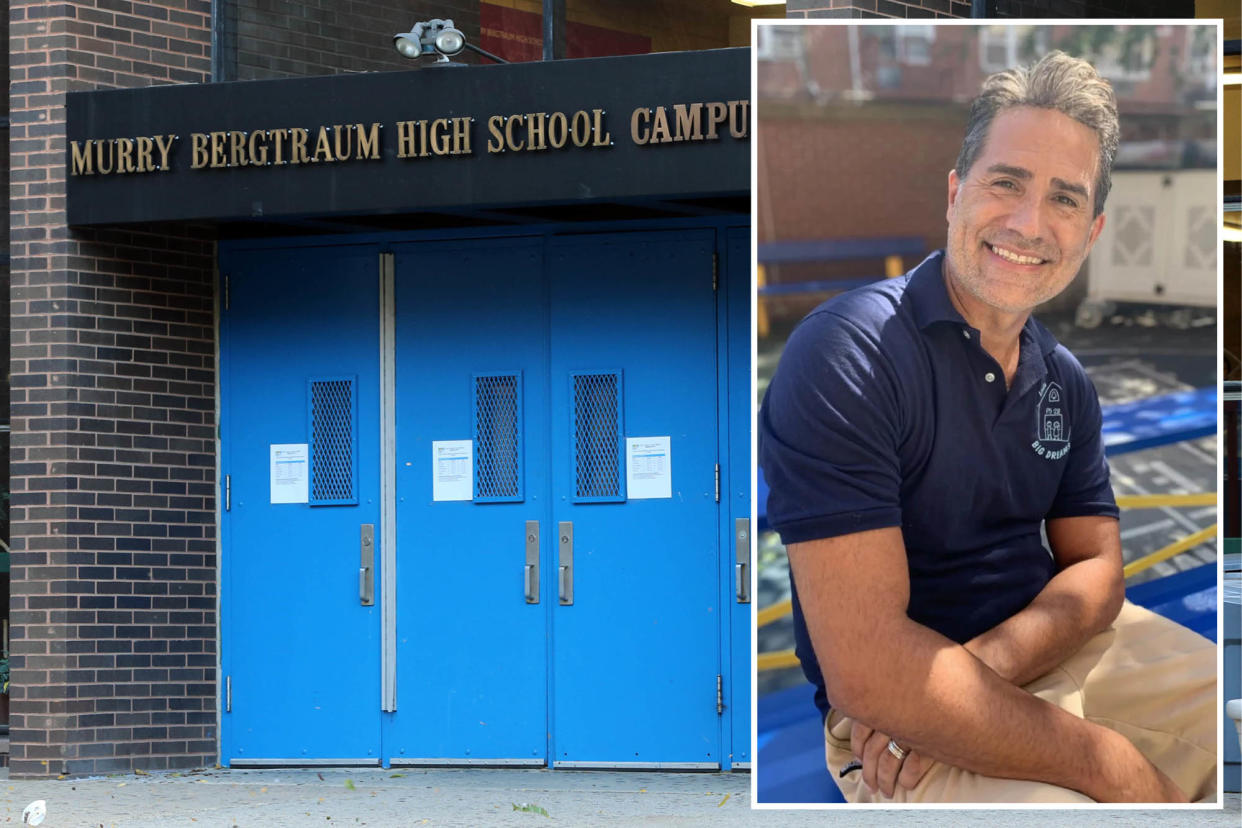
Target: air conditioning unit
(1158, 246)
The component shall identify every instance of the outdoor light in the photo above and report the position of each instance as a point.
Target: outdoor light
(450, 42)
(436, 37)
(407, 44)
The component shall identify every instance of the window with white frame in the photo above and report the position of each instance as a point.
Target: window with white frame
(1004, 47)
(914, 44)
(779, 43)
(1129, 55)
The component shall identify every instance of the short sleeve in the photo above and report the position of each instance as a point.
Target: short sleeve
(1085, 486)
(829, 434)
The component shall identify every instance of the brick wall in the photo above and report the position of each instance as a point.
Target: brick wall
(953, 68)
(1092, 8)
(291, 38)
(114, 563)
(995, 8)
(891, 182)
(4, 290)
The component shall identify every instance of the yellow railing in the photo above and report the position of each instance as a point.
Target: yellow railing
(786, 658)
(1148, 561)
(1155, 501)
(763, 323)
(778, 610)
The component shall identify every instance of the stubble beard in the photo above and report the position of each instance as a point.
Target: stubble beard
(967, 273)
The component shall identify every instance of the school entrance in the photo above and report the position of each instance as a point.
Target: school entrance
(483, 480)
(483, 496)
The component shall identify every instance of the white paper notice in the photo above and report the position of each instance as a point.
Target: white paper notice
(289, 473)
(648, 468)
(452, 469)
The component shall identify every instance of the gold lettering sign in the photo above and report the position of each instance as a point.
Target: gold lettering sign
(256, 148)
(539, 131)
(690, 122)
(424, 139)
(121, 156)
(297, 146)
(416, 139)
(368, 141)
(217, 140)
(558, 130)
(143, 146)
(284, 146)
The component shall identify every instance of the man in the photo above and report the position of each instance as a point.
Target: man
(916, 437)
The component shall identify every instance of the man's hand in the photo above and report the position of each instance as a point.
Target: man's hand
(880, 769)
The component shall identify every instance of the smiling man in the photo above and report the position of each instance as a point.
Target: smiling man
(917, 436)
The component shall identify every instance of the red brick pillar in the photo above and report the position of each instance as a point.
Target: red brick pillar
(113, 606)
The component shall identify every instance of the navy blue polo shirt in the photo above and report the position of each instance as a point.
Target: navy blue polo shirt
(886, 411)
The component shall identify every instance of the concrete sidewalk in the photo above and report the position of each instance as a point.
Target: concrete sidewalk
(401, 797)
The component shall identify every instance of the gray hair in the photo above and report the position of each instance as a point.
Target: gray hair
(1066, 84)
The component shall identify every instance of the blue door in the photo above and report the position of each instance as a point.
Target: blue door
(299, 380)
(472, 480)
(528, 429)
(636, 621)
(529, 362)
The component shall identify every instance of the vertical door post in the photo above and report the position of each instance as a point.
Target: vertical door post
(388, 487)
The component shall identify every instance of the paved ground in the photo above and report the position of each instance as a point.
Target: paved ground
(276, 798)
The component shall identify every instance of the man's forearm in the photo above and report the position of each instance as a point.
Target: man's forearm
(1079, 602)
(924, 690)
(936, 697)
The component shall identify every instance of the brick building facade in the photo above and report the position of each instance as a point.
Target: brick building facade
(285, 38)
(113, 416)
(931, 9)
(113, 613)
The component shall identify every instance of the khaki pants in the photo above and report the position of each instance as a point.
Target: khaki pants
(1148, 678)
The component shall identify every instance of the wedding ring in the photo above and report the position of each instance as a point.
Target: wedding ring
(896, 750)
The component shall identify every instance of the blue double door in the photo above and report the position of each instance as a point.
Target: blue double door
(547, 579)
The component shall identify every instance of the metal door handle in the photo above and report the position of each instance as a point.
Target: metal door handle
(366, 565)
(741, 532)
(565, 531)
(532, 562)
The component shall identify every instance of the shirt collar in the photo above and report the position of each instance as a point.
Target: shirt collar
(930, 303)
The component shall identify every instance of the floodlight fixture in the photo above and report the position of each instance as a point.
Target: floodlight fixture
(436, 37)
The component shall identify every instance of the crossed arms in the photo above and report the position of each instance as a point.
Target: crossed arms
(963, 705)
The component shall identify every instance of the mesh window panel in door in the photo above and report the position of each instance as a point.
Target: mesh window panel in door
(497, 437)
(334, 440)
(596, 437)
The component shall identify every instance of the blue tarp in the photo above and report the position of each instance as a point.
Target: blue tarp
(1159, 420)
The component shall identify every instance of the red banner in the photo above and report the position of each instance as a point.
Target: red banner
(517, 36)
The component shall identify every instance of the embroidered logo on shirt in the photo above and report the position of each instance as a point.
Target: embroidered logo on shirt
(1052, 427)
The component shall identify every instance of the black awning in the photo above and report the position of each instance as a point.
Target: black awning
(649, 128)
